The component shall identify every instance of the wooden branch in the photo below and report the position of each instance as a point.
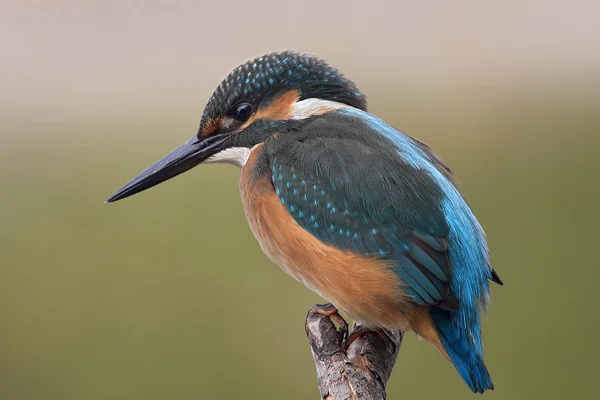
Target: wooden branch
(361, 371)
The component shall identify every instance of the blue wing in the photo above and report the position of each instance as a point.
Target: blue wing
(357, 193)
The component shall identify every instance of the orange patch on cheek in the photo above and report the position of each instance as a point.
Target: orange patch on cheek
(279, 109)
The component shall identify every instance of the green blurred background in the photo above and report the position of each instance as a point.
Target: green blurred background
(167, 294)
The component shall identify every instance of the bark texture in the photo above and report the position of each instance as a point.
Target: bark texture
(357, 371)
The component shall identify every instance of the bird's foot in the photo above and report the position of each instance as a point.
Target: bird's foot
(361, 330)
(330, 311)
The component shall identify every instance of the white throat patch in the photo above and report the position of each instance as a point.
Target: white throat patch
(237, 156)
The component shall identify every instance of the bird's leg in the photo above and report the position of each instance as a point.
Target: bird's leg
(330, 311)
(361, 330)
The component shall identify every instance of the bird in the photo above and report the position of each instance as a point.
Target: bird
(366, 216)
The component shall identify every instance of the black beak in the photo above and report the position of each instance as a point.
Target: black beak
(184, 158)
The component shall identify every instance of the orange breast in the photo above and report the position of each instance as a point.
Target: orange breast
(364, 288)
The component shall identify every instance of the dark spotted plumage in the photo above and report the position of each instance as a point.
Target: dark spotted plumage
(261, 79)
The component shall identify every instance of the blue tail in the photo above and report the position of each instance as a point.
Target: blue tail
(462, 350)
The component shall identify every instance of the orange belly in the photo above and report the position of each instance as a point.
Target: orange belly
(364, 288)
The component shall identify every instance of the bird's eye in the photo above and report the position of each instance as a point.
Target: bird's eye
(242, 112)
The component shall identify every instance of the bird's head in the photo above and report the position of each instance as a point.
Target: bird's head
(267, 95)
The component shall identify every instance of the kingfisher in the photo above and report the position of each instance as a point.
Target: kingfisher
(366, 216)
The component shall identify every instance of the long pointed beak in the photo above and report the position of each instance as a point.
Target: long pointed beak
(183, 158)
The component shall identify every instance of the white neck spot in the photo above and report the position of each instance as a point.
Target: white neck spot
(309, 107)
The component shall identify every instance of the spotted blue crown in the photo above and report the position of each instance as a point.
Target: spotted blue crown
(263, 78)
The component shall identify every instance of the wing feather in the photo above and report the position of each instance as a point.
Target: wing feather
(362, 197)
